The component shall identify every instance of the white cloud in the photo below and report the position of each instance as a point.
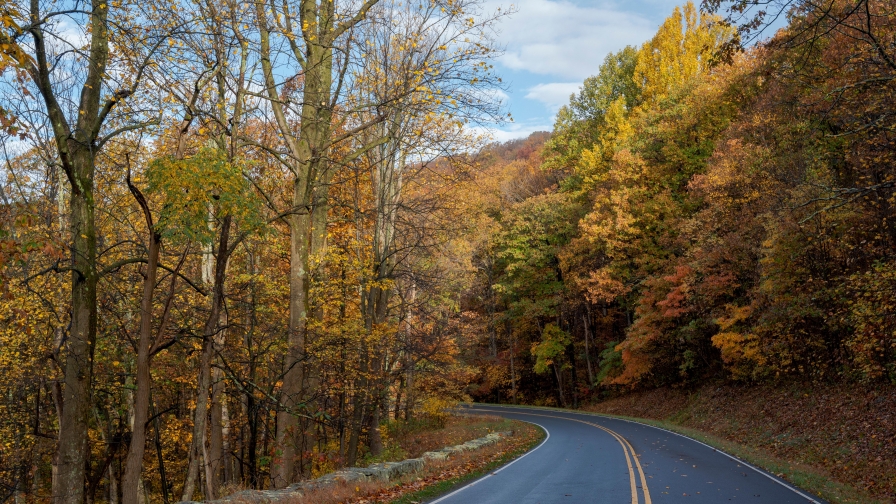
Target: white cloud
(492, 95)
(553, 94)
(499, 95)
(65, 35)
(511, 131)
(558, 37)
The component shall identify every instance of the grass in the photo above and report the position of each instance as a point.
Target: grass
(801, 475)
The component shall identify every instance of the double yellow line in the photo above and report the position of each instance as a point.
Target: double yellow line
(630, 454)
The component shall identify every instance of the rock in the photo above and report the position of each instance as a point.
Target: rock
(383, 471)
(373, 472)
(411, 465)
(389, 470)
(343, 475)
(258, 496)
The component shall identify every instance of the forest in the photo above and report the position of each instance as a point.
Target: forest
(239, 239)
(698, 214)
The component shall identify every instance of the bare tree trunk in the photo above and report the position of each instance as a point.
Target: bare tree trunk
(307, 240)
(585, 318)
(559, 384)
(217, 454)
(225, 446)
(134, 461)
(200, 418)
(400, 390)
(200, 414)
(163, 476)
(373, 430)
(72, 451)
(76, 147)
(113, 485)
(251, 409)
(409, 369)
(409, 401)
(215, 460)
(359, 405)
(291, 396)
(512, 339)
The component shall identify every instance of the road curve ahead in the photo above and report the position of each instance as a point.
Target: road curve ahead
(589, 458)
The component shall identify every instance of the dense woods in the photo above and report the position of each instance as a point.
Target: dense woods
(698, 213)
(221, 235)
(238, 239)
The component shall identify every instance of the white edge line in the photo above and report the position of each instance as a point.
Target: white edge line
(468, 485)
(732, 457)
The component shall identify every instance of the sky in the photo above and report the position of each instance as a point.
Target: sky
(551, 46)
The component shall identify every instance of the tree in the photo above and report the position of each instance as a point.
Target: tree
(81, 128)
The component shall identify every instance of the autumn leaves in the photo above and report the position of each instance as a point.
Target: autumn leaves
(247, 202)
(702, 217)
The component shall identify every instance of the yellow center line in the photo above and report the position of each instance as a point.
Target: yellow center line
(626, 447)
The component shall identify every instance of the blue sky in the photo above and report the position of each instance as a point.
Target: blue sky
(551, 46)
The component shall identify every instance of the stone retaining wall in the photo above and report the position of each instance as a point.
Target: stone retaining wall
(383, 471)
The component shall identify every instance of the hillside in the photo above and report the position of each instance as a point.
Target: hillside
(706, 245)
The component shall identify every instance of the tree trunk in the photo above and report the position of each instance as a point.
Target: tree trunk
(163, 476)
(291, 395)
(251, 409)
(585, 318)
(512, 340)
(227, 461)
(72, 450)
(409, 400)
(252, 448)
(399, 391)
(134, 462)
(209, 331)
(559, 385)
(76, 147)
(373, 430)
(200, 418)
(358, 406)
(217, 454)
(307, 240)
(309, 162)
(216, 459)
(114, 486)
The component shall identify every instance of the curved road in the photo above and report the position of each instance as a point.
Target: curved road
(590, 458)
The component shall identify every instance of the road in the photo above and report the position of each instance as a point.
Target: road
(589, 458)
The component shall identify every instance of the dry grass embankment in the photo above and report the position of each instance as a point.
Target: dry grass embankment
(836, 440)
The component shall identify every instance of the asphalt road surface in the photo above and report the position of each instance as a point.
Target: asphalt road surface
(589, 458)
